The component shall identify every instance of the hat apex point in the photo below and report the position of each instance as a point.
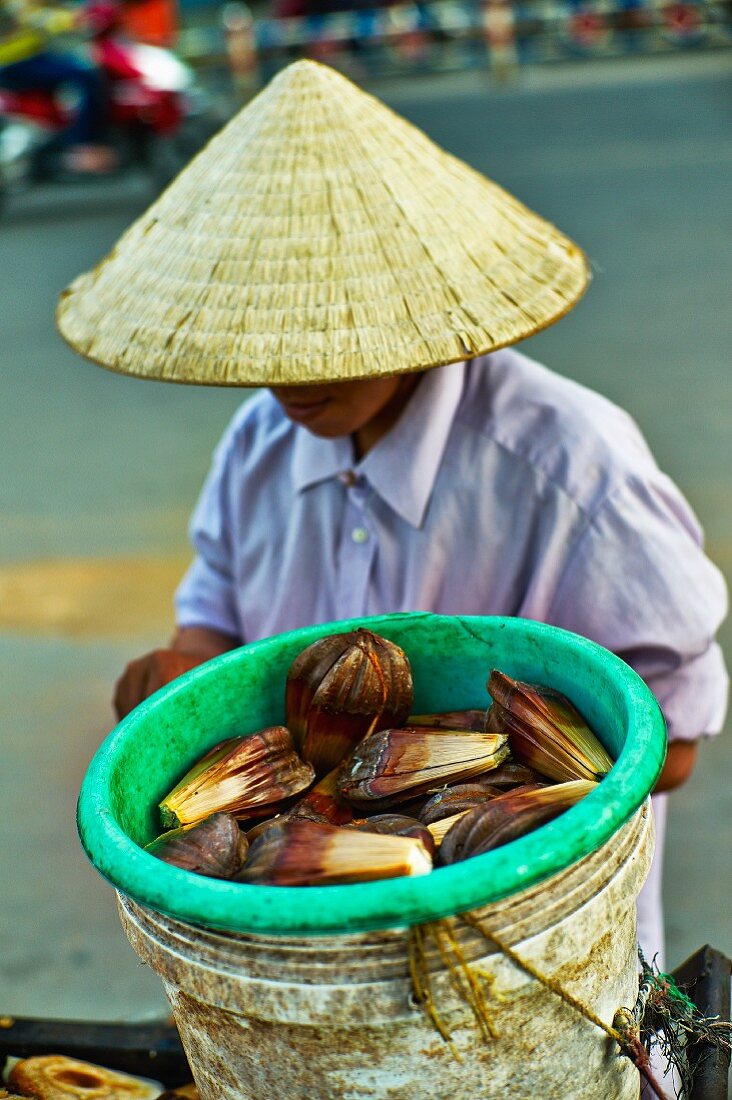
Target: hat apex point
(307, 69)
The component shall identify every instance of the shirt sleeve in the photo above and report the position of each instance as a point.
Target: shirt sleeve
(207, 594)
(638, 582)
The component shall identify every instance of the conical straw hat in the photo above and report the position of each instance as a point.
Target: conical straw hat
(320, 237)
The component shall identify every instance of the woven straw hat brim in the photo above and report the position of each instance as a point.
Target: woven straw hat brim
(320, 237)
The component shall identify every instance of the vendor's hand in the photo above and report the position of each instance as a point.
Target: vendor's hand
(680, 761)
(189, 647)
(145, 675)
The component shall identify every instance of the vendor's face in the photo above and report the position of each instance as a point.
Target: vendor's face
(365, 410)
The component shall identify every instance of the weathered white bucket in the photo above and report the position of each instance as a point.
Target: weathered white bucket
(274, 1017)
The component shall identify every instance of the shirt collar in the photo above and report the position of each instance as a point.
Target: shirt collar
(401, 467)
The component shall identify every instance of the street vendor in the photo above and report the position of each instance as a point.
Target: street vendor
(401, 453)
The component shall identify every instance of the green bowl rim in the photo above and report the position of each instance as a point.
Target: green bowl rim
(313, 910)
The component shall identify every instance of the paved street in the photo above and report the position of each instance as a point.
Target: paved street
(100, 471)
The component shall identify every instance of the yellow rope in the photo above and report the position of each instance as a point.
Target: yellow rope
(421, 984)
(476, 995)
(626, 1034)
(627, 1037)
(557, 989)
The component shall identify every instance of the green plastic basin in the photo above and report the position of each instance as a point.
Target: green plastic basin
(451, 657)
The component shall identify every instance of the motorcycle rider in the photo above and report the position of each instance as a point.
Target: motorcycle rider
(28, 61)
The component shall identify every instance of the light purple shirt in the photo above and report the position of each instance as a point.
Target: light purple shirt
(503, 489)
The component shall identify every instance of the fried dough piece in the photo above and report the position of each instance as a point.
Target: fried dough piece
(56, 1077)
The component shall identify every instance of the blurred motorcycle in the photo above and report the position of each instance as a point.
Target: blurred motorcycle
(156, 116)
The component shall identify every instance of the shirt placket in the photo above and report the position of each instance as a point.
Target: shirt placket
(356, 550)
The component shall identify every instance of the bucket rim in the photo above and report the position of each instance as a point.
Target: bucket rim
(386, 903)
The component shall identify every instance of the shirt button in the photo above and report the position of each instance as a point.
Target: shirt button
(359, 534)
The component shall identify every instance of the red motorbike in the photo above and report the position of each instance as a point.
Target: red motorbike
(156, 115)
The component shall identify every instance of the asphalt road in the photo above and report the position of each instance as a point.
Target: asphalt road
(634, 163)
